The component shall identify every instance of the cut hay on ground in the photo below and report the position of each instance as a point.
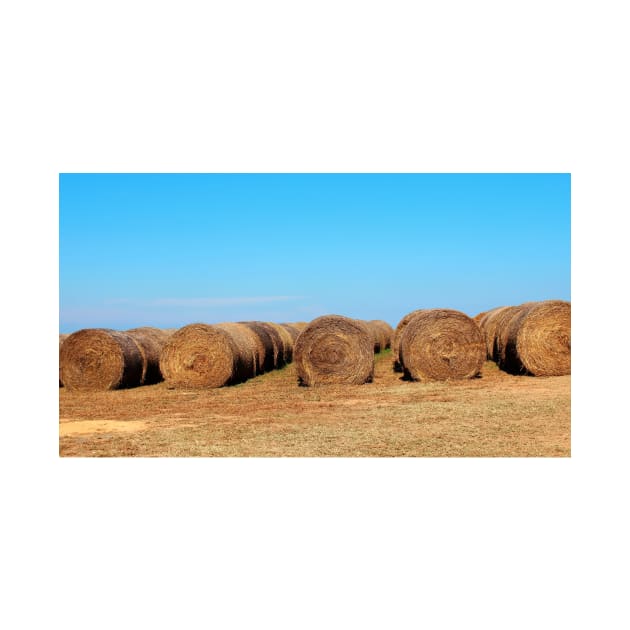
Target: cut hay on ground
(150, 341)
(100, 359)
(440, 345)
(334, 349)
(201, 355)
(396, 338)
(538, 340)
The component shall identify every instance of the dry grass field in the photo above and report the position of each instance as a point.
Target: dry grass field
(496, 415)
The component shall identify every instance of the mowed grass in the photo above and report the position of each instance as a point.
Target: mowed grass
(497, 415)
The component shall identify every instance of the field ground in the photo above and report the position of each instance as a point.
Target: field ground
(497, 415)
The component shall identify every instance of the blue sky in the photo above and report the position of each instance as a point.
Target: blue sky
(170, 249)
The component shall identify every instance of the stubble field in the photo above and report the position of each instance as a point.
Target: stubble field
(496, 415)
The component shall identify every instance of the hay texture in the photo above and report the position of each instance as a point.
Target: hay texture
(150, 341)
(334, 349)
(493, 325)
(385, 333)
(292, 330)
(441, 345)
(286, 343)
(489, 325)
(375, 333)
(100, 359)
(538, 340)
(402, 324)
(62, 338)
(276, 342)
(264, 345)
(201, 355)
(247, 342)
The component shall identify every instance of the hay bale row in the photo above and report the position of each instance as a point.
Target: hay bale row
(382, 334)
(334, 349)
(103, 359)
(439, 345)
(204, 355)
(533, 338)
(492, 325)
(150, 341)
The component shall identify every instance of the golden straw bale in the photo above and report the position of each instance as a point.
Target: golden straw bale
(334, 349)
(375, 335)
(386, 333)
(100, 359)
(247, 342)
(150, 341)
(62, 338)
(441, 344)
(489, 324)
(501, 323)
(293, 331)
(201, 355)
(538, 340)
(265, 346)
(287, 342)
(396, 338)
(277, 344)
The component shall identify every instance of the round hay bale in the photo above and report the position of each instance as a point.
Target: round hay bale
(441, 344)
(334, 349)
(489, 324)
(62, 338)
(538, 340)
(375, 333)
(247, 342)
(494, 325)
(479, 316)
(402, 324)
(150, 341)
(287, 343)
(100, 359)
(277, 344)
(264, 346)
(293, 331)
(386, 333)
(500, 322)
(200, 355)
(299, 325)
